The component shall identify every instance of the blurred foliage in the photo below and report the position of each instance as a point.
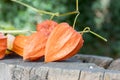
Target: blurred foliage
(101, 15)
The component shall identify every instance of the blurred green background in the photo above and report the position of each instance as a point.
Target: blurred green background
(102, 16)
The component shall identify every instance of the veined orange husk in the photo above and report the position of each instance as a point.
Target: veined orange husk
(74, 51)
(35, 46)
(63, 43)
(3, 45)
(46, 26)
(19, 43)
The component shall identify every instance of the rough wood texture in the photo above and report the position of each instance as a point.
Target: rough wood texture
(115, 65)
(98, 60)
(17, 69)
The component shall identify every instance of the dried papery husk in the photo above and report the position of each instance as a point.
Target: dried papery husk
(3, 45)
(10, 40)
(46, 26)
(35, 47)
(63, 43)
(19, 43)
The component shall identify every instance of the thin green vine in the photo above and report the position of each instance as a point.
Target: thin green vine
(36, 10)
(68, 13)
(75, 20)
(16, 31)
(57, 14)
(77, 7)
(50, 13)
(98, 36)
(87, 29)
(77, 10)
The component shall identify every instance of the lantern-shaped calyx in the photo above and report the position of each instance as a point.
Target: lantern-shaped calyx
(3, 45)
(63, 43)
(36, 43)
(19, 43)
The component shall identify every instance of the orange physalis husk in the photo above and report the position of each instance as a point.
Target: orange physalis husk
(3, 45)
(46, 26)
(35, 46)
(63, 43)
(19, 43)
